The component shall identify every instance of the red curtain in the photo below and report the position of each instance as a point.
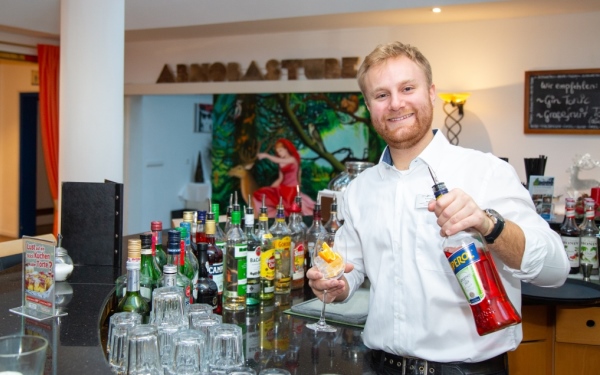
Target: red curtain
(49, 63)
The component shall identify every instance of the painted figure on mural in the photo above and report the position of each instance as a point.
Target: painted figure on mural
(287, 158)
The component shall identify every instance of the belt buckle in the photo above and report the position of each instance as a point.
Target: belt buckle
(414, 366)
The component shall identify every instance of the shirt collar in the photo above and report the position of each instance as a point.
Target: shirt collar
(432, 155)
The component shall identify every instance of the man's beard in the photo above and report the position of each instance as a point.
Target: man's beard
(407, 137)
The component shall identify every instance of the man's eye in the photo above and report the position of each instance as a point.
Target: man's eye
(408, 88)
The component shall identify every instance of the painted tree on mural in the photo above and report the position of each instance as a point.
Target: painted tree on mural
(326, 128)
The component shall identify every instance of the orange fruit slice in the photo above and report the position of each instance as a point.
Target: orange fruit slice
(327, 254)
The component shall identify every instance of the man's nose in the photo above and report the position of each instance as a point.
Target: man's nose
(396, 102)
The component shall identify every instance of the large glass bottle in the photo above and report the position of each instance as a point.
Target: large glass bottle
(190, 258)
(133, 300)
(589, 236)
(157, 245)
(267, 255)
(283, 257)
(176, 258)
(570, 235)
(475, 270)
(215, 257)
(220, 236)
(333, 224)
(315, 229)
(298, 244)
(234, 288)
(149, 272)
(253, 258)
(207, 291)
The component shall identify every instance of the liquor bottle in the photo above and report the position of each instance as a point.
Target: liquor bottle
(169, 276)
(234, 285)
(200, 227)
(190, 258)
(333, 224)
(220, 236)
(253, 258)
(215, 257)
(298, 244)
(206, 290)
(157, 246)
(569, 233)
(267, 255)
(188, 217)
(313, 232)
(589, 236)
(478, 277)
(228, 223)
(283, 257)
(133, 300)
(176, 257)
(149, 272)
(187, 268)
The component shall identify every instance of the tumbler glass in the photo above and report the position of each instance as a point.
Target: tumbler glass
(166, 333)
(189, 354)
(143, 351)
(22, 354)
(203, 323)
(226, 346)
(116, 346)
(168, 306)
(198, 310)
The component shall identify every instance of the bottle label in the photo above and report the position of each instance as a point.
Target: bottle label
(463, 263)
(572, 248)
(298, 271)
(283, 243)
(589, 250)
(253, 288)
(216, 272)
(267, 264)
(146, 292)
(253, 263)
(170, 280)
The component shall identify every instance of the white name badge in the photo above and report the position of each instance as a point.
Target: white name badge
(423, 200)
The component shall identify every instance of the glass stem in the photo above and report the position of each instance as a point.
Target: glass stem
(322, 318)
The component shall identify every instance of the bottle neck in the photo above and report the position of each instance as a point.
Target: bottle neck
(170, 279)
(133, 279)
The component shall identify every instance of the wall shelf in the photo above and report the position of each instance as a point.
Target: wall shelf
(245, 87)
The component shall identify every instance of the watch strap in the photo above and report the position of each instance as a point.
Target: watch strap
(498, 226)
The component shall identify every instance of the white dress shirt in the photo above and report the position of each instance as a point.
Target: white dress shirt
(417, 307)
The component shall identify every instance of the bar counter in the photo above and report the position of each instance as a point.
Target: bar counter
(272, 338)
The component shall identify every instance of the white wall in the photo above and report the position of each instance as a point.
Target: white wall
(488, 59)
(161, 157)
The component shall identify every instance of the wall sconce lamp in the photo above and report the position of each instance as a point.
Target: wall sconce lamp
(457, 101)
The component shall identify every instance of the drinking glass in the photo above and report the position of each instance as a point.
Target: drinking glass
(189, 353)
(226, 349)
(166, 335)
(203, 323)
(116, 347)
(143, 351)
(167, 306)
(22, 354)
(198, 311)
(330, 263)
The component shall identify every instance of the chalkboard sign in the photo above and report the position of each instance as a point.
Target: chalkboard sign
(562, 101)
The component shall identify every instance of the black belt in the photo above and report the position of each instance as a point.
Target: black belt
(418, 366)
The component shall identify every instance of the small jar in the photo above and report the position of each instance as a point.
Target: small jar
(353, 168)
(63, 264)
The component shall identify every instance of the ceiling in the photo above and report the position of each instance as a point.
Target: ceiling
(175, 19)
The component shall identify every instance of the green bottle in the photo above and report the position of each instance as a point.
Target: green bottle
(253, 258)
(133, 300)
(190, 258)
(149, 271)
(158, 252)
(234, 287)
(186, 268)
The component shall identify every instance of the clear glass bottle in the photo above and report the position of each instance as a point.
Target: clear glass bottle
(298, 244)
(176, 258)
(149, 272)
(190, 258)
(333, 224)
(313, 232)
(169, 276)
(228, 223)
(215, 257)
(220, 236)
(267, 255)
(476, 272)
(207, 291)
(253, 258)
(234, 288)
(157, 245)
(283, 257)
(589, 236)
(133, 300)
(570, 235)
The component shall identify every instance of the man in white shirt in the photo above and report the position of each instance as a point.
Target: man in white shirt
(419, 319)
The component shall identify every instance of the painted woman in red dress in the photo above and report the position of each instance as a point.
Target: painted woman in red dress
(284, 186)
